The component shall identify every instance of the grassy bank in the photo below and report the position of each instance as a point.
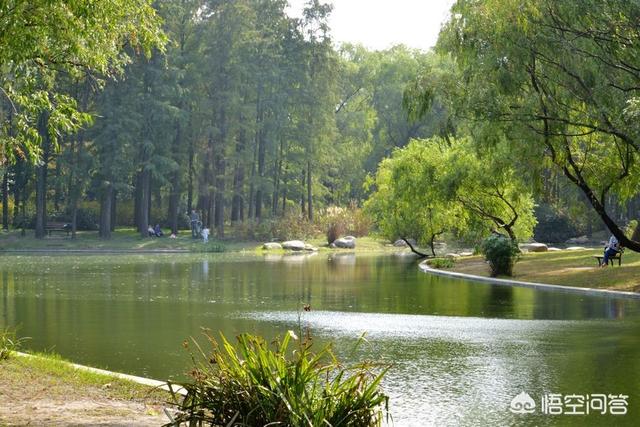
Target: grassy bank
(45, 390)
(127, 239)
(570, 268)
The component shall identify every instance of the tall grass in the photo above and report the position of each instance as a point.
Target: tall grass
(9, 342)
(257, 384)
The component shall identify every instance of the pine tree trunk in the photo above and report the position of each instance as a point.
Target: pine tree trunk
(303, 204)
(309, 192)
(105, 211)
(143, 195)
(57, 189)
(74, 218)
(137, 186)
(220, 189)
(41, 179)
(113, 209)
(5, 200)
(174, 200)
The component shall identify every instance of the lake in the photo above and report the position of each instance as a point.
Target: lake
(460, 351)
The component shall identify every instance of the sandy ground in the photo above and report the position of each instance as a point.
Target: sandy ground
(31, 397)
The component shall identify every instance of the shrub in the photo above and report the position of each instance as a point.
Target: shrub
(337, 221)
(502, 253)
(447, 262)
(281, 228)
(253, 384)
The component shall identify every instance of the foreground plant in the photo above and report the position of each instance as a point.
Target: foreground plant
(254, 385)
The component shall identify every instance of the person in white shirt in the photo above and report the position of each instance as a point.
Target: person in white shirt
(205, 234)
(612, 248)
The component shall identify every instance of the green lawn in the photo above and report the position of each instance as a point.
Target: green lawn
(571, 268)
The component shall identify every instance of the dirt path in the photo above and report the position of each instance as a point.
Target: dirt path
(35, 395)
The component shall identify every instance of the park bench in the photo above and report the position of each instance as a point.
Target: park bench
(617, 256)
(57, 226)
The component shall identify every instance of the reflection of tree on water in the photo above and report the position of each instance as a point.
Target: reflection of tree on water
(499, 302)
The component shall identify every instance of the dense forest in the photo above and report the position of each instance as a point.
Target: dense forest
(246, 114)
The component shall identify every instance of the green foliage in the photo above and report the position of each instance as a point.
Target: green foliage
(540, 75)
(408, 201)
(42, 42)
(9, 342)
(502, 253)
(435, 186)
(254, 384)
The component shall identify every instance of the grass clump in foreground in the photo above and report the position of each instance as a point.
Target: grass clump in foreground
(9, 343)
(253, 384)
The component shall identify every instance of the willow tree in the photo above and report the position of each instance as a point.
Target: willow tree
(408, 201)
(562, 81)
(490, 190)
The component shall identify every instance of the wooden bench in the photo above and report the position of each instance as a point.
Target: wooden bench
(617, 256)
(57, 226)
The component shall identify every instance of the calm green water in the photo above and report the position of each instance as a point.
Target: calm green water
(460, 351)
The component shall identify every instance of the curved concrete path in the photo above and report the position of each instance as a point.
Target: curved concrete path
(541, 286)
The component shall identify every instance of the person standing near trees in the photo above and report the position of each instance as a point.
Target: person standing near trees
(196, 224)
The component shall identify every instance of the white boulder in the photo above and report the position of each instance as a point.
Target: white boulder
(578, 240)
(294, 245)
(347, 242)
(534, 247)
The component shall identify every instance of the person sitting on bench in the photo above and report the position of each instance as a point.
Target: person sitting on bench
(611, 250)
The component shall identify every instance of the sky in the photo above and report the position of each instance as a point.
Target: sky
(380, 24)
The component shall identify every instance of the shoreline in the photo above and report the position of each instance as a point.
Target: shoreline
(149, 382)
(49, 390)
(533, 285)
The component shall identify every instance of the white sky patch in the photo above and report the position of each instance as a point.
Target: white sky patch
(380, 24)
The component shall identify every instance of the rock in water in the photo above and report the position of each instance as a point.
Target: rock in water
(294, 245)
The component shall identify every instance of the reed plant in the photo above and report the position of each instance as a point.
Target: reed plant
(256, 383)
